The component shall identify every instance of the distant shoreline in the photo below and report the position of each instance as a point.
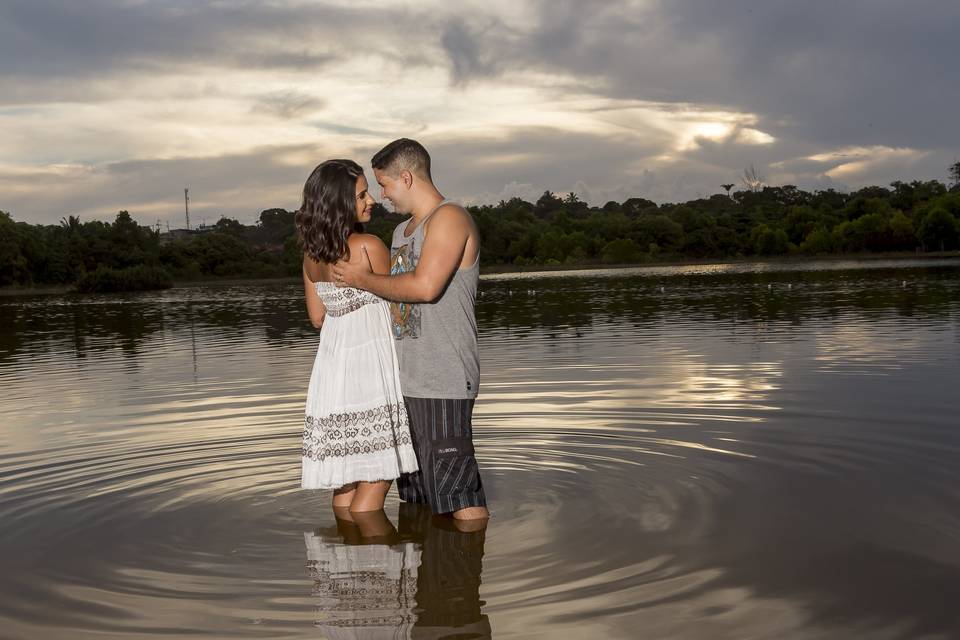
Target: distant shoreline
(509, 269)
(692, 262)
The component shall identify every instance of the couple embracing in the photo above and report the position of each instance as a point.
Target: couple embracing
(397, 370)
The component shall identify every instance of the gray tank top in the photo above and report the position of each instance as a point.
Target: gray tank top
(437, 341)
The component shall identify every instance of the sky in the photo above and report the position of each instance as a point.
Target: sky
(121, 104)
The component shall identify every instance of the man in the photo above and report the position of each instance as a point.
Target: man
(435, 270)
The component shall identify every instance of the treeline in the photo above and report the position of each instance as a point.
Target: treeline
(117, 256)
(769, 221)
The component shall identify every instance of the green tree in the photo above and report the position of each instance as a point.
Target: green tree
(13, 264)
(547, 204)
(621, 251)
(902, 233)
(276, 225)
(925, 191)
(938, 230)
(818, 241)
(573, 205)
(767, 241)
(660, 230)
(871, 232)
(954, 172)
(130, 244)
(230, 226)
(799, 222)
(550, 246)
(635, 206)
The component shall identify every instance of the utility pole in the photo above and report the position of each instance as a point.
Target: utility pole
(186, 205)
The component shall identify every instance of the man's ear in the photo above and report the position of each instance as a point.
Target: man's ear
(407, 178)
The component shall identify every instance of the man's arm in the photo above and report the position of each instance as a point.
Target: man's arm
(440, 258)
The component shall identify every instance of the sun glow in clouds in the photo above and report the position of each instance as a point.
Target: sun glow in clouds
(855, 161)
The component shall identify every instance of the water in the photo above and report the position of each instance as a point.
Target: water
(697, 452)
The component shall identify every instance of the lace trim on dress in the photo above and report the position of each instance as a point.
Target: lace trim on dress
(341, 301)
(351, 306)
(339, 435)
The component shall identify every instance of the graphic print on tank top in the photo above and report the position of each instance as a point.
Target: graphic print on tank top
(405, 315)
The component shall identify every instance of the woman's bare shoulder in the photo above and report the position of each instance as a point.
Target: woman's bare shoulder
(366, 240)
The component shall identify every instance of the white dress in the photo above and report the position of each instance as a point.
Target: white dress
(363, 592)
(356, 425)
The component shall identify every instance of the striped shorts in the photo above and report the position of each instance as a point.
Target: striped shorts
(449, 478)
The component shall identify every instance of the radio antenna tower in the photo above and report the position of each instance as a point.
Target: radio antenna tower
(186, 205)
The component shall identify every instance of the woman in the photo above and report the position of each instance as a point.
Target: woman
(356, 438)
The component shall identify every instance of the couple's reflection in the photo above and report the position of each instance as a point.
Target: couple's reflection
(420, 579)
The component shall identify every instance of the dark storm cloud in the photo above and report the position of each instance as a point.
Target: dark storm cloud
(862, 71)
(465, 51)
(66, 38)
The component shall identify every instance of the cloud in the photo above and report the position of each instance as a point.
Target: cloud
(464, 50)
(288, 104)
(71, 40)
(237, 185)
(612, 99)
(526, 162)
(811, 70)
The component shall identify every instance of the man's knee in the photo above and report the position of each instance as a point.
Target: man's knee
(471, 513)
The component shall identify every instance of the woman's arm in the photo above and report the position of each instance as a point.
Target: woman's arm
(368, 247)
(378, 253)
(315, 308)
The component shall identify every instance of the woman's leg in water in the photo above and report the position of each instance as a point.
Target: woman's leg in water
(369, 496)
(343, 496)
(373, 524)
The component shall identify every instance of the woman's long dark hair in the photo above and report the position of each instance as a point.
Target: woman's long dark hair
(328, 214)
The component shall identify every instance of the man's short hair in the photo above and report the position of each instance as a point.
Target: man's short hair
(403, 155)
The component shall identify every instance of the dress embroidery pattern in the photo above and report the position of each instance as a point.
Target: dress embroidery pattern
(340, 302)
(354, 433)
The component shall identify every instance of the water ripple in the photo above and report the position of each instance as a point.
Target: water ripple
(689, 451)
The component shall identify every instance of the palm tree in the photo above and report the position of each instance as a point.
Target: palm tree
(71, 223)
(728, 187)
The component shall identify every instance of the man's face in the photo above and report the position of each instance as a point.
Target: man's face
(394, 189)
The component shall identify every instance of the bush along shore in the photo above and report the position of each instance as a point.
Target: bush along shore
(555, 232)
(139, 278)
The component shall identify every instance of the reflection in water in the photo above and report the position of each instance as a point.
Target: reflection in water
(419, 580)
(365, 584)
(705, 452)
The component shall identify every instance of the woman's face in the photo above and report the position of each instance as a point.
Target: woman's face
(364, 200)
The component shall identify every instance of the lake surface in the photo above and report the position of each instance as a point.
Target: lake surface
(673, 452)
